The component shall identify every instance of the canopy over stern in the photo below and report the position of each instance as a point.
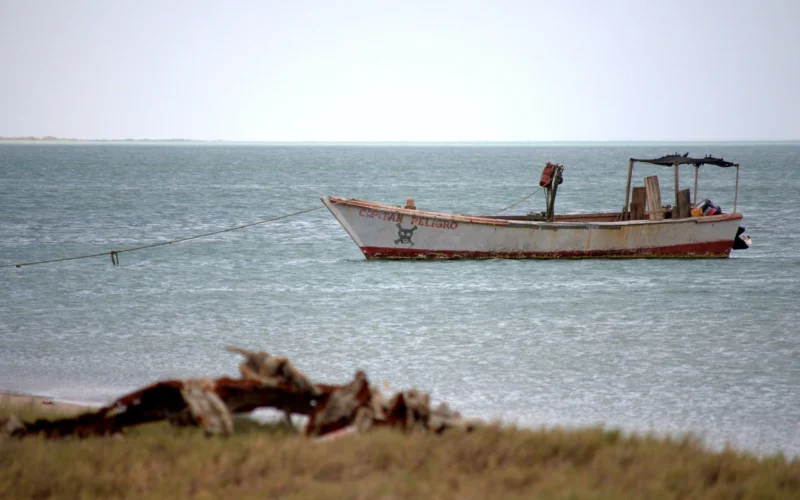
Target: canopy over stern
(676, 159)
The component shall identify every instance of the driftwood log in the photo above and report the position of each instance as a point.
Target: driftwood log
(267, 382)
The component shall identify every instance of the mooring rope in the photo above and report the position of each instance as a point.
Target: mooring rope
(115, 253)
(520, 201)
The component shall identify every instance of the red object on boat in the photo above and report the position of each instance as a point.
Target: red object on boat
(547, 176)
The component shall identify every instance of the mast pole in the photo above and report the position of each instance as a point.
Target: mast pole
(625, 212)
(696, 172)
(736, 195)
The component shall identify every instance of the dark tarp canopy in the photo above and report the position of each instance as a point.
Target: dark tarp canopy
(670, 160)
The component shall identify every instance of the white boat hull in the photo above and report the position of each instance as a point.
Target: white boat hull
(387, 232)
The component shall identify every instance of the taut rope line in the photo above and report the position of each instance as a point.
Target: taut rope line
(115, 253)
(520, 201)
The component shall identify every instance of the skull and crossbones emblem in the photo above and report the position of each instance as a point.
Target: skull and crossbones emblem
(404, 235)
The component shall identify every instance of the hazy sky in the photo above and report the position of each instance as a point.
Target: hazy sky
(376, 70)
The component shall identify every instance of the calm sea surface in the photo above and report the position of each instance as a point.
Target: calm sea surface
(708, 347)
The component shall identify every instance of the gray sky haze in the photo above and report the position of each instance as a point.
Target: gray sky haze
(402, 71)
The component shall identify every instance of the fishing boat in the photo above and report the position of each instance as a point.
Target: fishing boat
(644, 228)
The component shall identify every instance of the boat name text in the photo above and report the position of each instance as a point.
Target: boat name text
(415, 220)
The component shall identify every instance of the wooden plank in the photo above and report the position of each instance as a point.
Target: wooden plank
(653, 198)
(637, 210)
(640, 197)
(683, 208)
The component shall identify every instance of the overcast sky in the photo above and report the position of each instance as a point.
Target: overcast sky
(375, 70)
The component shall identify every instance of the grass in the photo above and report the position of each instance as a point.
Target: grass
(267, 461)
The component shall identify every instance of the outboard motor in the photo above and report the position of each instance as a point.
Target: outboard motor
(708, 207)
(742, 240)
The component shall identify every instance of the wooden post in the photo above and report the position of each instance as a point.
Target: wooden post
(696, 172)
(637, 210)
(638, 196)
(677, 188)
(736, 196)
(627, 191)
(682, 210)
(654, 208)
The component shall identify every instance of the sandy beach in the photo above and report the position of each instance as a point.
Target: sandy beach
(17, 400)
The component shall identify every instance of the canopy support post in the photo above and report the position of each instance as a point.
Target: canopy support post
(677, 188)
(696, 172)
(736, 195)
(625, 209)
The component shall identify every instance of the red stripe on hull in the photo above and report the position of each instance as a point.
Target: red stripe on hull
(715, 249)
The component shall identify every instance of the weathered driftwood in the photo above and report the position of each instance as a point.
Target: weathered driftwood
(155, 402)
(273, 370)
(340, 409)
(204, 402)
(267, 382)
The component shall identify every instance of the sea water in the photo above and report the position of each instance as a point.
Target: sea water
(709, 347)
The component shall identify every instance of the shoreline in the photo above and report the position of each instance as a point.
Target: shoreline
(21, 401)
(14, 401)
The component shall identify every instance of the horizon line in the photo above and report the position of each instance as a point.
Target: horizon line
(355, 142)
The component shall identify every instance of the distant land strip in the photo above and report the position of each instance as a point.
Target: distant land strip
(73, 139)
